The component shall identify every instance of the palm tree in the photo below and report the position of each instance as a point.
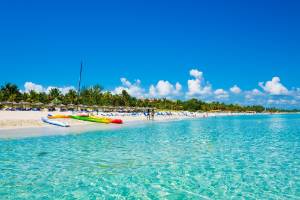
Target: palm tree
(10, 92)
(126, 98)
(33, 96)
(54, 93)
(95, 96)
(70, 97)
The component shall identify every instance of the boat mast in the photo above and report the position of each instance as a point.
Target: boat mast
(79, 83)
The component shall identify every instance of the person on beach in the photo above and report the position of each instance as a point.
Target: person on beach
(152, 114)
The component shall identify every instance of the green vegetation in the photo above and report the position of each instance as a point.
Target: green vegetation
(95, 96)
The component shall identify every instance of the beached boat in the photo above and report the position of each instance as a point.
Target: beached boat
(91, 119)
(98, 119)
(56, 123)
(85, 117)
(115, 121)
(58, 116)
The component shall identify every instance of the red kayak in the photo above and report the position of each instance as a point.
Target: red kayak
(116, 121)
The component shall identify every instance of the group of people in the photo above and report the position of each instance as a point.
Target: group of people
(150, 114)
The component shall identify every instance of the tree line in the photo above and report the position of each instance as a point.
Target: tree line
(95, 95)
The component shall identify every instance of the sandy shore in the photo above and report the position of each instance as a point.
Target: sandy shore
(31, 119)
(28, 123)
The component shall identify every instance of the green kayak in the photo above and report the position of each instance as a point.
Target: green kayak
(91, 119)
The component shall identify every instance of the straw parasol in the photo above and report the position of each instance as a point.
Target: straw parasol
(38, 104)
(23, 103)
(50, 105)
(7, 102)
(70, 105)
(61, 105)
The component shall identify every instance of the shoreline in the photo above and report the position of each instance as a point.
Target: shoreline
(22, 124)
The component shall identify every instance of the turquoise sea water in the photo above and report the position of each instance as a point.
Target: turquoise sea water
(247, 157)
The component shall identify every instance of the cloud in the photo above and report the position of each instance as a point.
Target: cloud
(152, 91)
(125, 82)
(274, 87)
(221, 94)
(63, 90)
(133, 89)
(30, 86)
(197, 86)
(256, 92)
(196, 73)
(250, 95)
(282, 102)
(270, 93)
(164, 89)
(235, 89)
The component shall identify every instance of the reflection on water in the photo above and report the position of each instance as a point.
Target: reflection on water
(246, 157)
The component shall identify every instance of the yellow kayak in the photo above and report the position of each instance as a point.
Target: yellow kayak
(101, 119)
(58, 116)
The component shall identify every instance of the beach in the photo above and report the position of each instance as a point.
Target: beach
(32, 119)
(29, 123)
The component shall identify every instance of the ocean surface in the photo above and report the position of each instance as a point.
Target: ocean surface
(242, 157)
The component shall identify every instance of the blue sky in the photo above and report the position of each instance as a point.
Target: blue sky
(158, 42)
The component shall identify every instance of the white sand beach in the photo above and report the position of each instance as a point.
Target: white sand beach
(31, 119)
(29, 123)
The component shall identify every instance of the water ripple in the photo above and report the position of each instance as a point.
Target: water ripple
(254, 157)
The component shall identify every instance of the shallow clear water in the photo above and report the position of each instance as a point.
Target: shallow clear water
(252, 157)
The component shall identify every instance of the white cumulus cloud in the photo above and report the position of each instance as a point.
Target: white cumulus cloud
(196, 73)
(256, 92)
(197, 86)
(274, 87)
(221, 94)
(249, 95)
(63, 90)
(133, 89)
(282, 102)
(164, 89)
(235, 89)
(30, 86)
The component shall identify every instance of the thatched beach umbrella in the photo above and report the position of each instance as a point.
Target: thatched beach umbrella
(50, 105)
(95, 107)
(38, 104)
(24, 104)
(70, 105)
(7, 103)
(15, 104)
(79, 107)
